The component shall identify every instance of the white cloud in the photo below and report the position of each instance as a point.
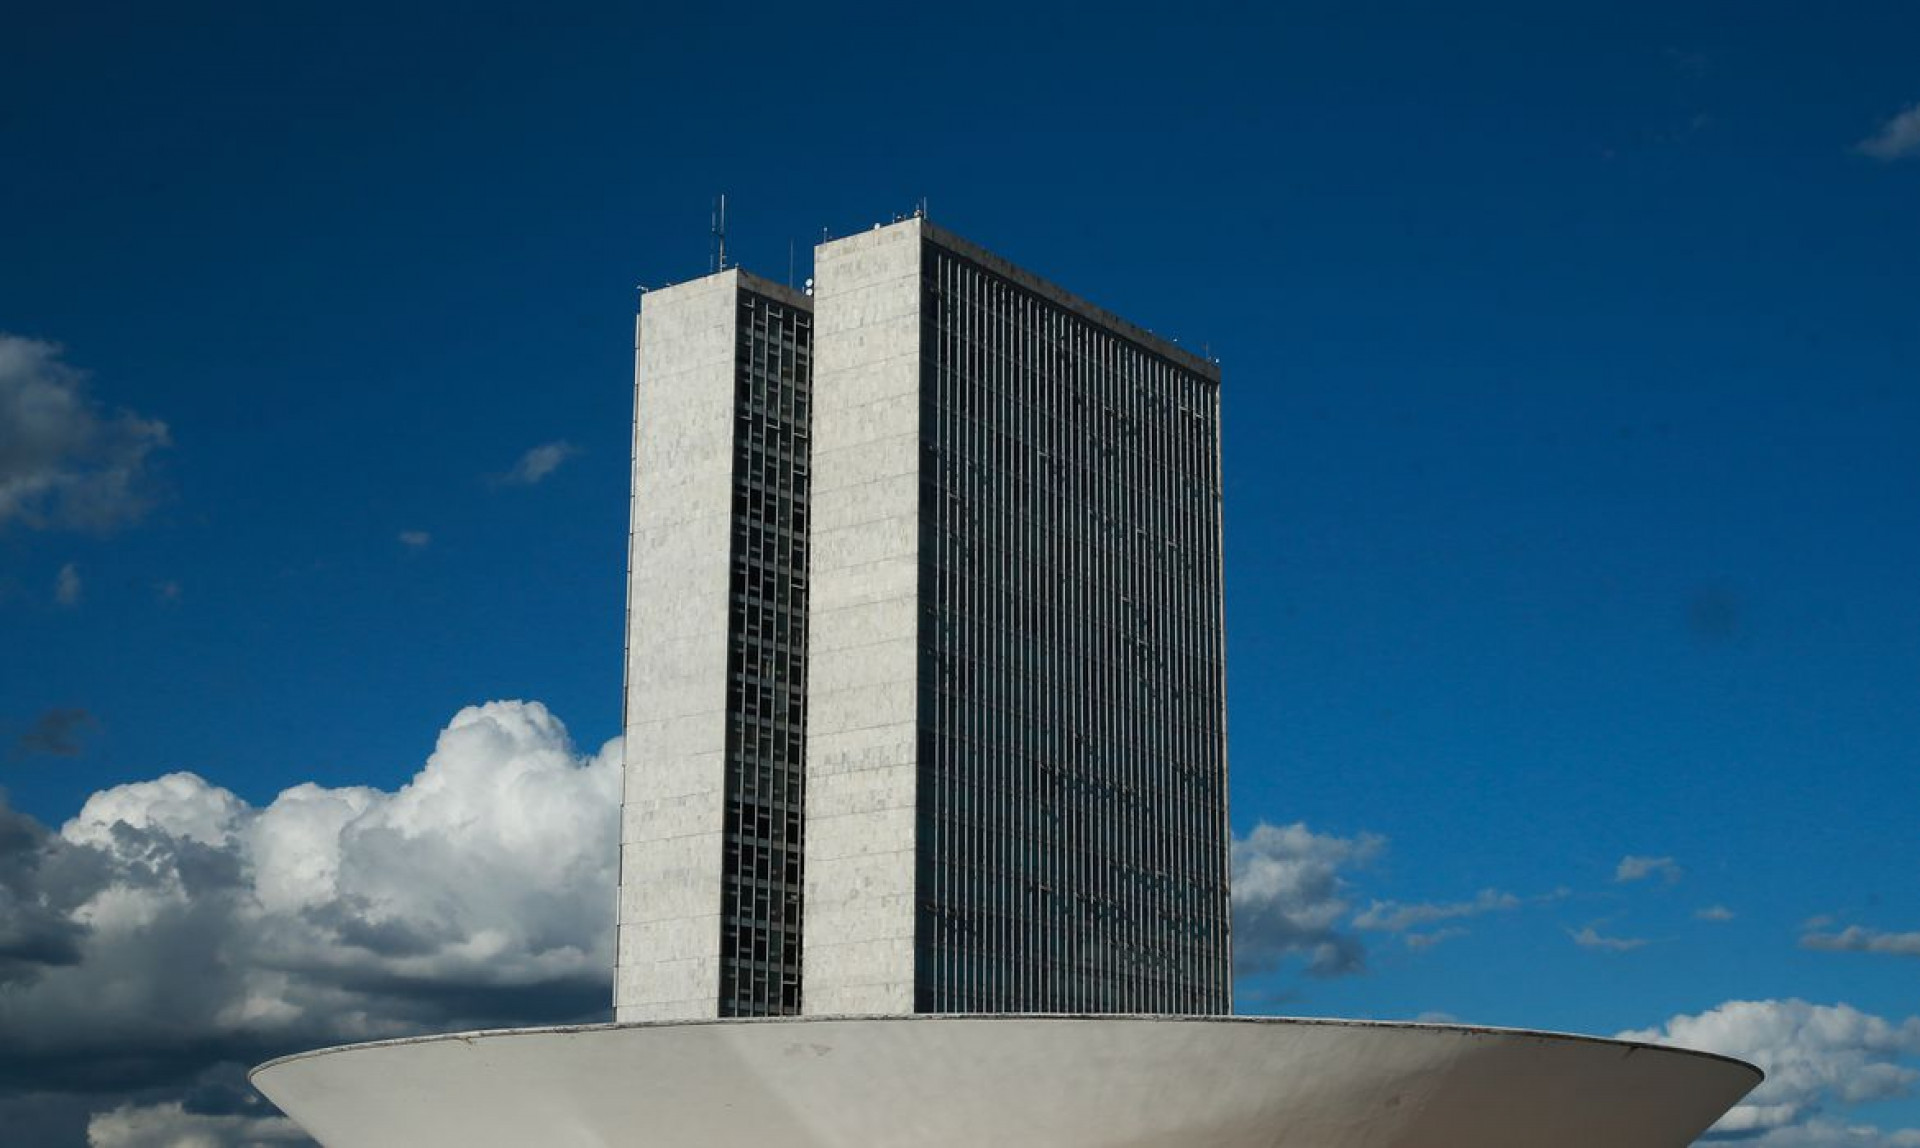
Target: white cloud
(1856, 939)
(65, 462)
(1714, 913)
(66, 586)
(1828, 1134)
(1289, 897)
(1898, 138)
(169, 1125)
(538, 463)
(1420, 942)
(1632, 868)
(172, 926)
(415, 539)
(1815, 1057)
(1591, 938)
(1396, 917)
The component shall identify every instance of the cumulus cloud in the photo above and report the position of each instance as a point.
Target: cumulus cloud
(1856, 939)
(1634, 868)
(65, 461)
(1829, 1134)
(169, 1124)
(55, 733)
(1898, 138)
(218, 1108)
(66, 586)
(1589, 937)
(1290, 897)
(1714, 913)
(535, 465)
(1815, 1056)
(172, 930)
(415, 539)
(38, 896)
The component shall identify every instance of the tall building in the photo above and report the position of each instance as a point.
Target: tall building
(710, 858)
(989, 625)
(1016, 759)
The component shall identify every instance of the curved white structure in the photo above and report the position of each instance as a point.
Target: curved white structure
(1025, 1081)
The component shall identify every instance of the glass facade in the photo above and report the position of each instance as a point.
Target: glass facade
(767, 667)
(1072, 821)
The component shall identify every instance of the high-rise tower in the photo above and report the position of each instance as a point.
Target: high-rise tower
(1016, 764)
(986, 628)
(710, 850)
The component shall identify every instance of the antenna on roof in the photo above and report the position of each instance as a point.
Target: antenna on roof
(720, 234)
(789, 262)
(920, 212)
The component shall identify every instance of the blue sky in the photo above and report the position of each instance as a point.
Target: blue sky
(1572, 391)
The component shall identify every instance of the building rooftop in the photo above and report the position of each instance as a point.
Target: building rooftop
(1050, 291)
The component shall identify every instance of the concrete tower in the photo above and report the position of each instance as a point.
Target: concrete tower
(710, 857)
(1016, 759)
(946, 561)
